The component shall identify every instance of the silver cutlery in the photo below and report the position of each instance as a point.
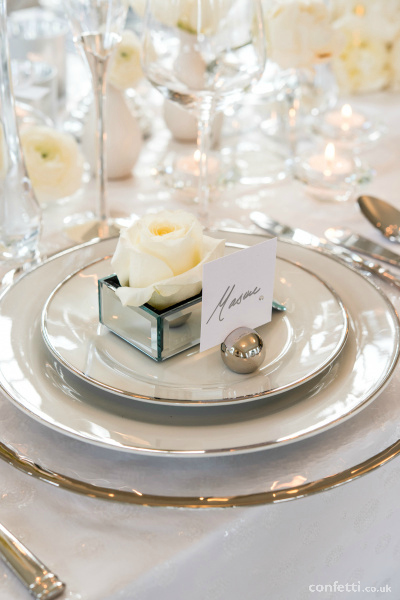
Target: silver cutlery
(40, 582)
(304, 238)
(382, 215)
(354, 241)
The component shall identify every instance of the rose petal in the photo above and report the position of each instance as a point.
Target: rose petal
(173, 294)
(145, 269)
(170, 291)
(134, 296)
(121, 259)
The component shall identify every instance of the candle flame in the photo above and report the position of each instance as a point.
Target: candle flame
(196, 156)
(347, 111)
(330, 152)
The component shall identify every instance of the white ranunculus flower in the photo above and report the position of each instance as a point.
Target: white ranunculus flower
(125, 69)
(364, 63)
(159, 259)
(53, 161)
(299, 33)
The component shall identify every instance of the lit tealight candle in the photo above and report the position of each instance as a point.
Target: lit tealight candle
(330, 163)
(190, 164)
(345, 119)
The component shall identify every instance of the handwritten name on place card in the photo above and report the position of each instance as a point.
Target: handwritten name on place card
(237, 292)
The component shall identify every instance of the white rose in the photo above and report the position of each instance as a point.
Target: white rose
(53, 161)
(159, 259)
(125, 69)
(299, 33)
(364, 63)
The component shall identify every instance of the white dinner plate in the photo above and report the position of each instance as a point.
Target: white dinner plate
(300, 343)
(38, 384)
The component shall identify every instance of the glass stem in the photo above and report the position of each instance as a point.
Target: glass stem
(203, 146)
(98, 67)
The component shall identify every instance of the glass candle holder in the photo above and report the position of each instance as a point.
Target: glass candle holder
(180, 171)
(328, 174)
(347, 126)
(158, 333)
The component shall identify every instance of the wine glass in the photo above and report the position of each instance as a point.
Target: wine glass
(97, 27)
(203, 54)
(20, 214)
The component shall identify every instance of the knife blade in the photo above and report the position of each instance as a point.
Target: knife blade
(354, 241)
(304, 238)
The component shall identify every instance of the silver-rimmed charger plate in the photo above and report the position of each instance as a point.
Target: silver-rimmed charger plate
(300, 343)
(36, 382)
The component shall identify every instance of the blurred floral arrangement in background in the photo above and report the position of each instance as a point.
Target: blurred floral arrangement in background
(299, 33)
(370, 59)
(361, 39)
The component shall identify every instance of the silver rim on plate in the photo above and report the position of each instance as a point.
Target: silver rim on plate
(49, 338)
(26, 466)
(250, 446)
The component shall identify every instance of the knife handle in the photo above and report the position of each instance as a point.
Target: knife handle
(41, 583)
(355, 260)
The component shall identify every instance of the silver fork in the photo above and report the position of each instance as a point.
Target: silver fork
(40, 582)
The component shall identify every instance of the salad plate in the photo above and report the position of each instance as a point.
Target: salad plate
(37, 383)
(300, 343)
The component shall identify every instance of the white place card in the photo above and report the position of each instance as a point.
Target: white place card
(237, 292)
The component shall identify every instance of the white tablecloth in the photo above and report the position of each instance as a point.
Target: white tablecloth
(110, 551)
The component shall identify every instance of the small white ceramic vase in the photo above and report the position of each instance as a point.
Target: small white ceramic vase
(124, 136)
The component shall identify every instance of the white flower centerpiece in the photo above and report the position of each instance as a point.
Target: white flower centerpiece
(369, 61)
(302, 41)
(299, 33)
(153, 301)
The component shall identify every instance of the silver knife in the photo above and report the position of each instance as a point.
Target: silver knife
(41, 583)
(302, 237)
(353, 241)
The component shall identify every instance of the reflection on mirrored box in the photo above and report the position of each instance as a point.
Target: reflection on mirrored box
(158, 333)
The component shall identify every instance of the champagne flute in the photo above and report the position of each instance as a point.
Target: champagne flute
(20, 214)
(203, 54)
(97, 27)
